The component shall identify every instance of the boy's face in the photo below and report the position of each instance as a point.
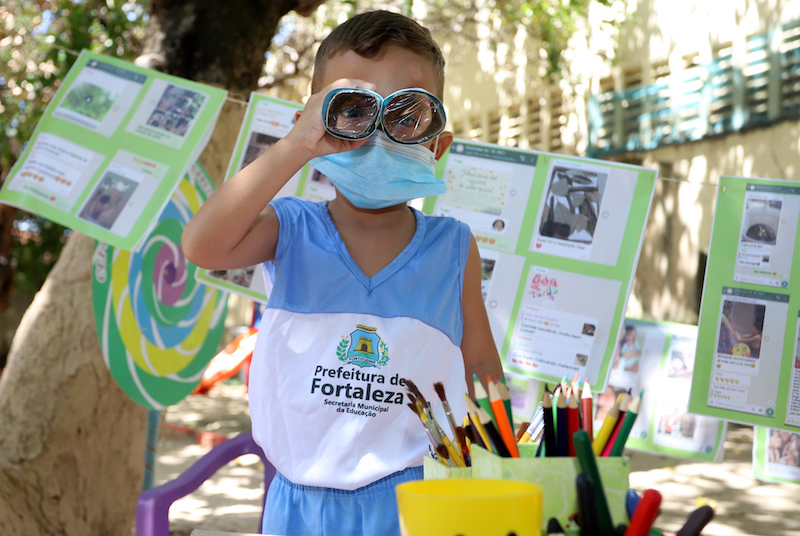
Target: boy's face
(398, 68)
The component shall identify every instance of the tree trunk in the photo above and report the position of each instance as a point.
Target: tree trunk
(71, 442)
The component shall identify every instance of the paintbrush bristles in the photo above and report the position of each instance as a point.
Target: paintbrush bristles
(413, 388)
(439, 388)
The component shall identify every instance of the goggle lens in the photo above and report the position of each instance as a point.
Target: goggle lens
(412, 118)
(408, 116)
(352, 114)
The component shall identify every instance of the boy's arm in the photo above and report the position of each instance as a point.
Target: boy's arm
(477, 343)
(235, 228)
(232, 229)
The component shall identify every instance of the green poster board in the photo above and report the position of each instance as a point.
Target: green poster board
(657, 359)
(559, 238)
(111, 147)
(747, 369)
(266, 120)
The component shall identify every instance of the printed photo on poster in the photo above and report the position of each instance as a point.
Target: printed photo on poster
(167, 113)
(108, 199)
(583, 211)
(572, 204)
(89, 100)
(767, 235)
(761, 220)
(488, 261)
(741, 328)
(318, 186)
(242, 277)
(783, 448)
(100, 97)
(176, 110)
(676, 421)
(748, 351)
(629, 350)
(257, 145)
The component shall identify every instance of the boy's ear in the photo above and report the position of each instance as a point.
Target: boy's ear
(445, 140)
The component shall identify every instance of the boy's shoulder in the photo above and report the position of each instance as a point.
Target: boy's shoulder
(291, 206)
(441, 222)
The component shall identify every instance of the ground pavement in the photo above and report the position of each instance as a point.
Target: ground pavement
(231, 500)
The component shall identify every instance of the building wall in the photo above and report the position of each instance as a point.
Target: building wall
(490, 97)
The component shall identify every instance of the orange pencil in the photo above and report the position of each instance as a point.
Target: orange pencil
(573, 421)
(624, 400)
(587, 409)
(501, 418)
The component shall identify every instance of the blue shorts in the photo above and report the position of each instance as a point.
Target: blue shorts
(294, 510)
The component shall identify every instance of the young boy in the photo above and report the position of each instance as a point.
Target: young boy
(367, 291)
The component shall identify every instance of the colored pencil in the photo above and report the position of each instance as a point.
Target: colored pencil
(645, 514)
(497, 441)
(573, 421)
(696, 521)
(587, 505)
(604, 433)
(505, 394)
(523, 427)
(625, 427)
(625, 400)
(588, 464)
(472, 411)
(562, 429)
(481, 397)
(587, 413)
(549, 430)
(501, 418)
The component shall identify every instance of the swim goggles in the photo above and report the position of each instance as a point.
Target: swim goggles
(408, 116)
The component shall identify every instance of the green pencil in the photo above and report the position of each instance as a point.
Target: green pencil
(627, 424)
(588, 463)
(482, 398)
(506, 395)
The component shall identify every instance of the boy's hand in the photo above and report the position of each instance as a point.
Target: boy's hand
(309, 133)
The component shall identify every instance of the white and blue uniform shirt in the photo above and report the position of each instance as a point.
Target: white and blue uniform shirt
(327, 400)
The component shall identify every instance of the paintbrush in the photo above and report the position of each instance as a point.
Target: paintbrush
(461, 437)
(427, 430)
(439, 388)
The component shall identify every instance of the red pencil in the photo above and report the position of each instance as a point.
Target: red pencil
(625, 399)
(573, 421)
(645, 514)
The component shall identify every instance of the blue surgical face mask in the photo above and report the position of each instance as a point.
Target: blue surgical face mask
(382, 173)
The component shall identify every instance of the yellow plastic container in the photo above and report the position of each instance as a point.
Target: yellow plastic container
(475, 507)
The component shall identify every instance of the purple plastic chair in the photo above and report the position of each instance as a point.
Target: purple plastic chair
(152, 508)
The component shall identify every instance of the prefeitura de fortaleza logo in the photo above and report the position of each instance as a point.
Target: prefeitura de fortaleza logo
(364, 347)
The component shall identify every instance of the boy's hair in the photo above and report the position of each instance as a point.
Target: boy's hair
(370, 34)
